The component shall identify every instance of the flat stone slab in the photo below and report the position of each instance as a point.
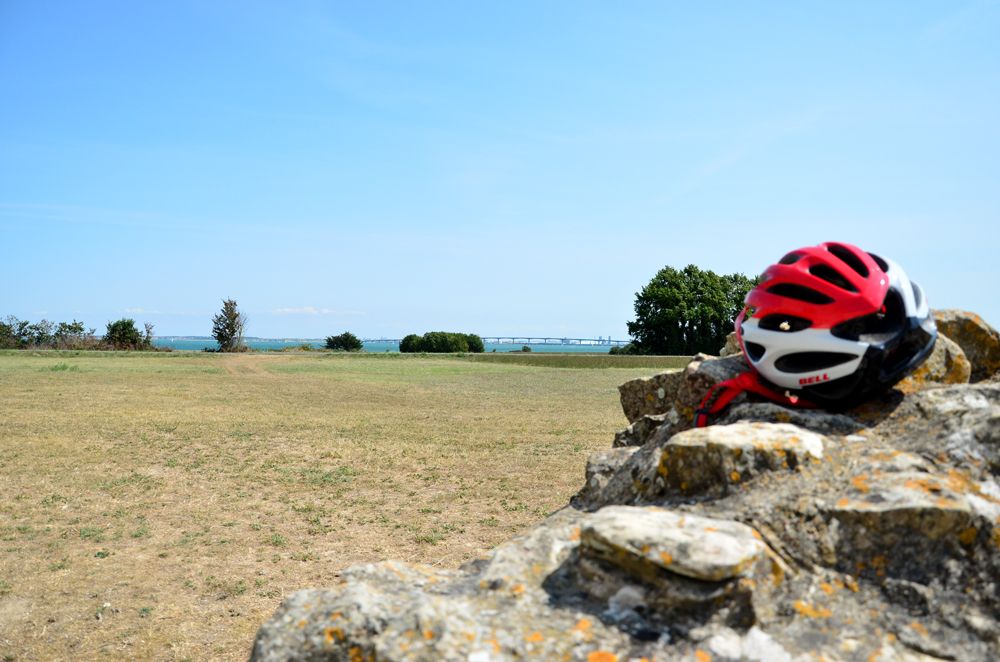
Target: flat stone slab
(645, 541)
(713, 458)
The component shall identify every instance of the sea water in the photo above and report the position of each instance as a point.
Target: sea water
(278, 344)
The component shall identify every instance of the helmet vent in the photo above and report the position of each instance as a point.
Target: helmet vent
(791, 258)
(754, 350)
(832, 276)
(800, 292)
(785, 323)
(811, 361)
(882, 264)
(877, 327)
(849, 258)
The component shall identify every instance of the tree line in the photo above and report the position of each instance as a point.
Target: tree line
(121, 334)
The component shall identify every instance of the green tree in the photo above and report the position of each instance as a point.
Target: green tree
(476, 345)
(410, 344)
(228, 327)
(345, 342)
(688, 311)
(123, 334)
(442, 342)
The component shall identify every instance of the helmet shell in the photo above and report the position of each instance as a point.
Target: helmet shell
(835, 324)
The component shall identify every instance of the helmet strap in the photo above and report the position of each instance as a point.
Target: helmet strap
(720, 395)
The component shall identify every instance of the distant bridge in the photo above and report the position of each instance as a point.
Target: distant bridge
(532, 340)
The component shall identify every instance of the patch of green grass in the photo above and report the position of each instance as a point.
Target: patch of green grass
(92, 533)
(5, 588)
(62, 367)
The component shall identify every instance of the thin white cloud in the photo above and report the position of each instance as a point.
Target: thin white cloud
(314, 310)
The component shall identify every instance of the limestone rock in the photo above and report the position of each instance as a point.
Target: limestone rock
(732, 346)
(679, 392)
(649, 395)
(644, 541)
(817, 420)
(947, 364)
(643, 428)
(979, 340)
(715, 458)
(603, 464)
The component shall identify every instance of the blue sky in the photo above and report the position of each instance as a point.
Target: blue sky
(515, 167)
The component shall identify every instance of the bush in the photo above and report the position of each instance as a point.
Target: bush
(410, 344)
(626, 349)
(525, 348)
(442, 342)
(22, 334)
(345, 342)
(123, 334)
(686, 312)
(476, 345)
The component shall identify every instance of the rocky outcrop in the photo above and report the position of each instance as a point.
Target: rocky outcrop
(947, 364)
(732, 346)
(774, 534)
(979, 340)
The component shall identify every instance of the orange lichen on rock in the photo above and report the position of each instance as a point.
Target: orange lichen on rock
(517, 589)
(602, 656)
(827, 588)
(333, 634)
(919, 627)
(534, 637)
(702, 656)
(582, 625)
(735, 476)
(666, 558)
(860, 483)
(428, 634)
(843, 502)
(810, 611)
(968, 536)
(575, 534)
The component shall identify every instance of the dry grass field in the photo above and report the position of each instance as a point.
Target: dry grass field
(158, 506)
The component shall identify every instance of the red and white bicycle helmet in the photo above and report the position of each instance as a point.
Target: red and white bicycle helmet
(834, 325)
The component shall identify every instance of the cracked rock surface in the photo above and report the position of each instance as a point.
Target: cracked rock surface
(774, 534)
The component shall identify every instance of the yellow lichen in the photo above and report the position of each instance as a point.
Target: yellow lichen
(968, 536)
(735, 476)
(810, 611)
